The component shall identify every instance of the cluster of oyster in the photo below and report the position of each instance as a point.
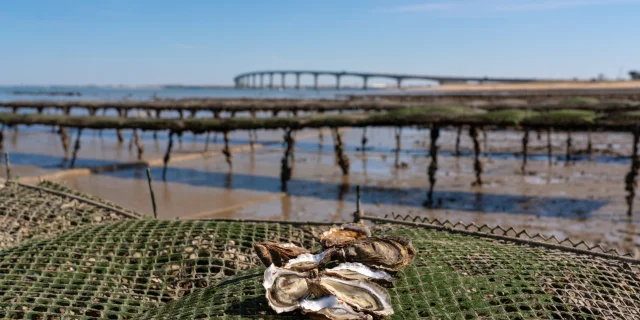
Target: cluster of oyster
(350, 290)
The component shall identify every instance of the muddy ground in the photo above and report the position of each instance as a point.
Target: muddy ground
(584, 199)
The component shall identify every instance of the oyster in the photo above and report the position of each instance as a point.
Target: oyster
(385, 252)
(344, 235)
(308, 261)
(277, 253)
(362, 295)
(329, 307)
(358, 271)
(285, 288)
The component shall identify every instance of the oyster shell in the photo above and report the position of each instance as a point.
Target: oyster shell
(308, 261)
(329, 307)
(277, 253)
(344, 235)
(362, 295)
(285, 288)
(385, 252)
(358, 271)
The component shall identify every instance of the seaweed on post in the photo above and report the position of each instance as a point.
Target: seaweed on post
(64, 138)
(630, 178)
(167, 156)
(477, 165)
(76, 148)
(433, 166)
(343, 161)
(457, 152)
(525, 153)
(287, 158)
(227, 151)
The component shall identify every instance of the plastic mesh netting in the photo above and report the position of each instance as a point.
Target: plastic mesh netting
(27, 213)
(120, 269)
(458, 276)
(75, 260)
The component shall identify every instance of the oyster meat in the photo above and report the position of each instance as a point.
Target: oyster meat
(384, 252)
(285, 288)
(329, 307)
(277, 253)
(344, 235)
(358, 271)
(362, 295)
(308, 261)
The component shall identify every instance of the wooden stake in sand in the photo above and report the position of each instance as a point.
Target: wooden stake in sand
(630, 179)
(567, 158)
(549, 147)
(287, 159)
(477, 165)
(398, 134)
(357, 216)
(525, 149)
(2, 137)
(167, 156)
(155, 133)
(364, 138)
(485, 141)
(433, 166)
(227, 151)
(119, 131)
(457, 152)
(343, 161)
(139, 145)
(589, 144)
(206, 143)
(76, 148)
(7, 164)
(153, 197)
(64, 138)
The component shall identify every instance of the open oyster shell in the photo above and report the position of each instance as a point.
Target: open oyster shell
(362, 295)
(329, 307)
(277, 253)
(385, 252)
(344, 235)
(358, 271)
(285, 288)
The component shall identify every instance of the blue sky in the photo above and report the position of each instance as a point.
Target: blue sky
(208, 42)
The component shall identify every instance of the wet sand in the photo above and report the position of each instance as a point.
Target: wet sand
(584, 201)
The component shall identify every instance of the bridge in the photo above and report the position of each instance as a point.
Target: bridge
(256, 79)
